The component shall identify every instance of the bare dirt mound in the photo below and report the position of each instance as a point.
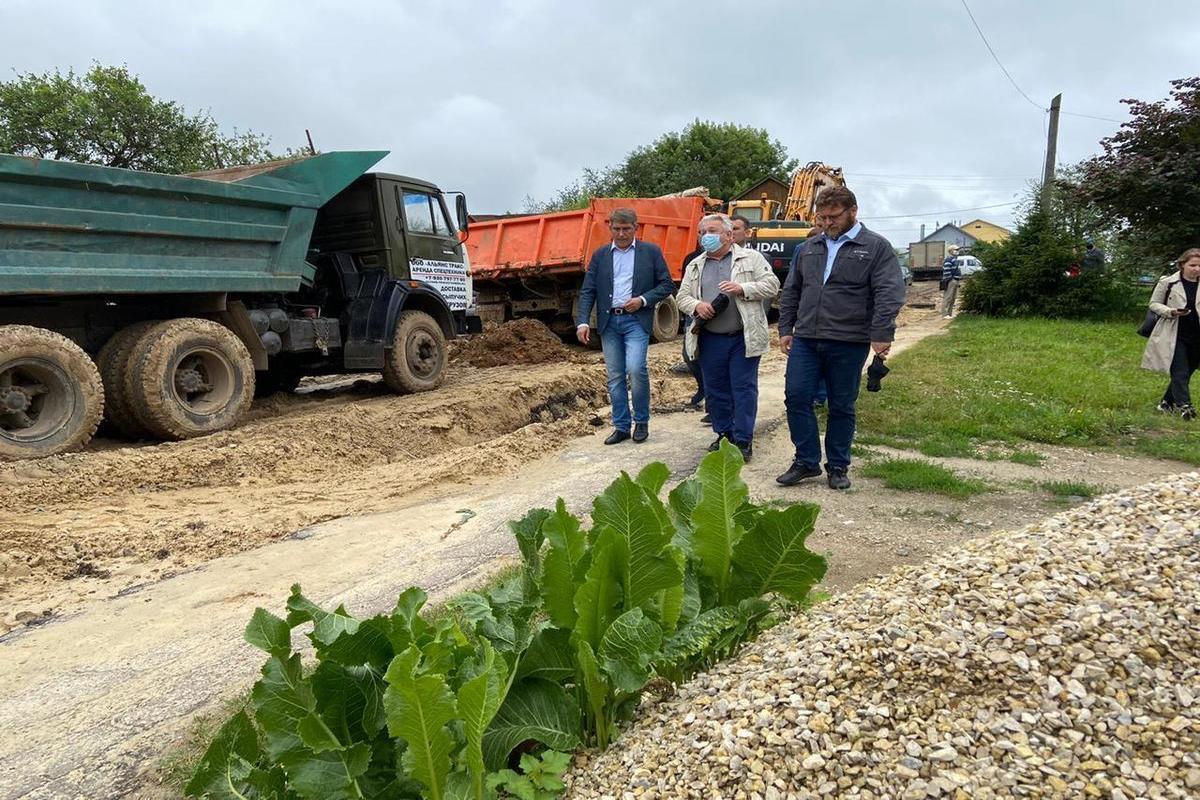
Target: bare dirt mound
(521, 341)
(103, 520)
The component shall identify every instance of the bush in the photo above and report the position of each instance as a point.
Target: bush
(403, 706)
(1027, 275)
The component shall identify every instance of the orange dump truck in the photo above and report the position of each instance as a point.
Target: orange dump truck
(532, 266)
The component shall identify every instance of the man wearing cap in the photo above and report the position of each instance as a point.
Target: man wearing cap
(624, 281)
(1093, 257)
(951, 278)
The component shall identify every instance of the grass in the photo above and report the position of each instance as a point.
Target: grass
(1020, 381)
(1026, 457)
(1072, 488)
(916, 475)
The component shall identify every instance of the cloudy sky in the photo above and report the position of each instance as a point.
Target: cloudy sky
(512, 98)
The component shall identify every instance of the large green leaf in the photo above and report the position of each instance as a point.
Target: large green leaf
(349, 699)
(268, 632)
(681, 501)
(700, 635)
(598, 597)
(509, 627)
(419, 706)
(653, 477)
(628, 647)
(330, 775)
(595, 688)
(533, 709)
(215, 775)
(369, 645)
(650, 566)
(771, 556)
(281, 698)
(564, 566)
(327, 625)
(478, 701)
(715, 531)
(406, 627)
(528, 531)
(548, 656)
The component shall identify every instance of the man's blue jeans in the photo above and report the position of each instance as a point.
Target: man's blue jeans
(625, 344)
(730, 385)
(840, 364)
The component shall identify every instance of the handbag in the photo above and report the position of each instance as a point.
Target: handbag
(942, 284)
(1147, 326)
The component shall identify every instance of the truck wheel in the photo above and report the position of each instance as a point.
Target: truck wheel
(417, 360)
(189, 377)
(51, 398)
(665, 326)
(113, 362)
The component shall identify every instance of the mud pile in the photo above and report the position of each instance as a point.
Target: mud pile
(521, 341)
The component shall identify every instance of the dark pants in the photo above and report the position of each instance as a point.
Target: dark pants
(730, 385)
(1185, 362)
(840, 365)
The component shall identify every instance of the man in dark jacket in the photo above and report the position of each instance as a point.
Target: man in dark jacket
(624, 281)
(839, 303)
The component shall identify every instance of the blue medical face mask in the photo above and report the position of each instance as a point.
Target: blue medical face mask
(711, 242)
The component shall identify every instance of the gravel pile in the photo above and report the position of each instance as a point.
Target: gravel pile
(1059, 661)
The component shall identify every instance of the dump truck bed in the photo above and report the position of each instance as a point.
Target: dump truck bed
(69, 228)
(562, 243)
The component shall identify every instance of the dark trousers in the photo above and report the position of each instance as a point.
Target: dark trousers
(730, 385)
(840, 365)
(1185, 362)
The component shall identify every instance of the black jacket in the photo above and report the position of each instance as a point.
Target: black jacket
(860, 301)
(651, 280)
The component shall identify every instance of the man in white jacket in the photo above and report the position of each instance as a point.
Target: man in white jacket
(730, 341)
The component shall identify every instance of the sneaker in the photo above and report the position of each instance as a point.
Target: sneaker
(1166, 407)
(796, 473)
(1187, 411)
(838, 479)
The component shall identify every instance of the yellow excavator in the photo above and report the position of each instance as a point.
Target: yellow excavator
(779, 227)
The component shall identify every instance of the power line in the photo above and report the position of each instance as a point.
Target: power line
(918, 175)
(1090, 116)
(947, 211)
(997, 59)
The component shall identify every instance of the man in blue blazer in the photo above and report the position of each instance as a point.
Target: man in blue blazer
(625, 280)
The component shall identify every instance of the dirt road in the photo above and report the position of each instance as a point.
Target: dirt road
(93, 696)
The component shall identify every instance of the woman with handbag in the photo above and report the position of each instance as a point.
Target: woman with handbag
(1174, 346)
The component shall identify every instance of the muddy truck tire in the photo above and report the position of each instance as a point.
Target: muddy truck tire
(189, 377)
(51, 397)
(417, 360)
(113, 362)
(665, 324)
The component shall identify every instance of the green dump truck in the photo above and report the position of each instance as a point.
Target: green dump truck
(162, 303)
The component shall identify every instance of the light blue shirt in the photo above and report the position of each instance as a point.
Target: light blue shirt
(833, 245)
(622, 274)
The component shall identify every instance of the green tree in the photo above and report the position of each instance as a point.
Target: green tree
(1147, 180)
(1029, 274)
(726, 158)
(108, 117)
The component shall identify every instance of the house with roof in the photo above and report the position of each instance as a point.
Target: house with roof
(965, 235)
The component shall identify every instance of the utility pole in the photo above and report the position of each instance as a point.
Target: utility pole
(1051, 150)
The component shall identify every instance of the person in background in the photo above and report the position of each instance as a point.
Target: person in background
(1093, 257)
(951, 278)
(839, 304)
(624, 281)
(1174, 345)
(729, 341)
(692, 365)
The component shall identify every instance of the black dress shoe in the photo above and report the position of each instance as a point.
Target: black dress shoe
(706, 419)
(616, 437)
(796, 473)
(715, 446)
(838, 479)
(696, 400)
(747, 450)
(641, 432)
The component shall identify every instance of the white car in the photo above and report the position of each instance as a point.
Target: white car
(968, 265)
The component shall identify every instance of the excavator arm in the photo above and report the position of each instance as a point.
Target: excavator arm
(807, 182)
